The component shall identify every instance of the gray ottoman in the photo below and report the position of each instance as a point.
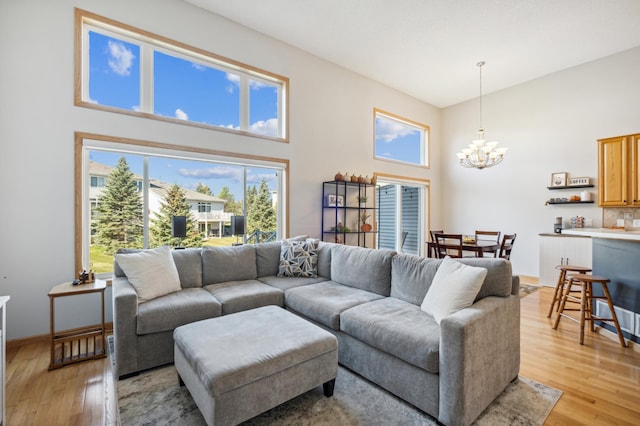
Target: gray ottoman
(240, 365)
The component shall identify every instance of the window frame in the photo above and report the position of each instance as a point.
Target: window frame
(86, 141)
(148, 42)
(424, 138)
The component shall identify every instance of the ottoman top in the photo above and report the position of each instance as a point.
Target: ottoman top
(233, 350)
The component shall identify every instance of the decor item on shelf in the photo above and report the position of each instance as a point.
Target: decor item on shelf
(360, 179)
(559, 179)
(578, 181)
(374, 180)
(367, 180)
(365, 227)
(346, 177)
(354, 178)
(363, 201)
(334, 200)
(339, 177)
(481, 154)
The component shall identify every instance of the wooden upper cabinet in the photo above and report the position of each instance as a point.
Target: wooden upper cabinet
(618, 176)
(635, 173)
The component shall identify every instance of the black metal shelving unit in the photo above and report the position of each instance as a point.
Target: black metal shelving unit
(341, 213)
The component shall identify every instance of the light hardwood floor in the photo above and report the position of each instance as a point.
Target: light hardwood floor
(600, 380)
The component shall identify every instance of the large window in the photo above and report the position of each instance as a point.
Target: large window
(400, 139)
(144, 185)
(127, 70)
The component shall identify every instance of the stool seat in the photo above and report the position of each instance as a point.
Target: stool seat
(562, 278)
(586, 281)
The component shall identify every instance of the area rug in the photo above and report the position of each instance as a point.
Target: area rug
(527, 289)
(155, 398)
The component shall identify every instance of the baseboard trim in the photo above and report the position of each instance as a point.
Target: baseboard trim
(527, 279)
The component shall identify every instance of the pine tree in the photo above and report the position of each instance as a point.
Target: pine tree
(120, 206)
(174, 204)
(203, 189)
(231, 205)
(261, 215)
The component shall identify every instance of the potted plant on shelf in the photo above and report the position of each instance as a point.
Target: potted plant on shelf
(363, 201)
(365, 227)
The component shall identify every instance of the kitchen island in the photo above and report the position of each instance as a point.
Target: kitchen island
(616, 255)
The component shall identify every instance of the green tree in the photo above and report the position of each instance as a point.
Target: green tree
(231, 205)
(203, 189)
(261, 215)
(119, 224)
(174, 204)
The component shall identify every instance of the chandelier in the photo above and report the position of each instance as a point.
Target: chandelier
(481, 154)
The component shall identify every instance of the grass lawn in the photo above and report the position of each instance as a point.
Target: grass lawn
(103, 262)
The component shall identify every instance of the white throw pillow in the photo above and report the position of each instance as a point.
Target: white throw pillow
(152, 273)
(454, 287)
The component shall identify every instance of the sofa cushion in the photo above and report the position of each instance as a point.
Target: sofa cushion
(189, 264)
(298, 259)
(222, 264)
(454, 287)
(285, 283)
(398, 328)
(267, 258)
(323, 302)
(173, 310)
(499, 279)
(411, 277)
(324, 258)
(237, 296)
(362, 268)
(151, 272)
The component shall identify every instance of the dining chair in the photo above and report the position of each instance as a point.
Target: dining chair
(488, 236)
(448, 245)
(506, 246)
(432, 250)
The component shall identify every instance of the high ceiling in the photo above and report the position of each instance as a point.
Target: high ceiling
(429, 48)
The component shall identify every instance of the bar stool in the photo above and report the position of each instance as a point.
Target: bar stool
(562, 279)
(586, 281)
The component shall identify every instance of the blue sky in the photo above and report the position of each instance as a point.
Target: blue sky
(194, 91)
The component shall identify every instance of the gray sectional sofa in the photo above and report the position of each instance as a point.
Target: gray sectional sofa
(369, 299)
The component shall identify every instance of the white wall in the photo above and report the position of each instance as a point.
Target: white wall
(331, 130)
(549, 125)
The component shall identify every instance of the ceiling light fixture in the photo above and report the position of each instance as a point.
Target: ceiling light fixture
(481, 154)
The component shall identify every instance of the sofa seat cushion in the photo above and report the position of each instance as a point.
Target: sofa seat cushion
(285, 283)
(324, 302)
(165, 313)
(237, 296)
(398, 328)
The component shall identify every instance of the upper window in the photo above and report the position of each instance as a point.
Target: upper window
(399, 139)
(131, 71)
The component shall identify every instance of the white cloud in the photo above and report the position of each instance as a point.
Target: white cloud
(388, 131)
(266, 128)
(222, 172)
(93, 101)
(234, 78)
(198, 66)
(180, 114)
(120, 58)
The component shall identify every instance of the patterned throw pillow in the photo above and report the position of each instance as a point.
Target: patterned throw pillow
(298, 259)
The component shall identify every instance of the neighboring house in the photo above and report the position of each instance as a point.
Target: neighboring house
(206, 209)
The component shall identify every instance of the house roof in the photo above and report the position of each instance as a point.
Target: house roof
(156, 186)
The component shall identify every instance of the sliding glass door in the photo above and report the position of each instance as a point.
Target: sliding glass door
(401, 216)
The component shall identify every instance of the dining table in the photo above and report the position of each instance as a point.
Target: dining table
(478, 247)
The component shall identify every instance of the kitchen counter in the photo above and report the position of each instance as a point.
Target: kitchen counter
(616, 234)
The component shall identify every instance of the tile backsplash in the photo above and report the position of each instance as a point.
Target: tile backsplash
(611, 215)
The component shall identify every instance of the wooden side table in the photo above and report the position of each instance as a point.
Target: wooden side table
(78, 344)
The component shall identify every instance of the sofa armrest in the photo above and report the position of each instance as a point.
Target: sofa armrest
(125, 311)
(479, 357)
